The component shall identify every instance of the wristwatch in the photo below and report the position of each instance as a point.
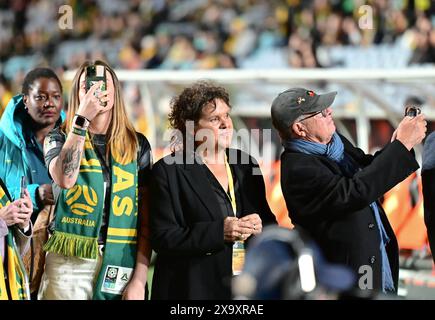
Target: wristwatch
(80, 121)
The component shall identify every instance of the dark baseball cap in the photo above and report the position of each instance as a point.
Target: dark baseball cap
(292, 103)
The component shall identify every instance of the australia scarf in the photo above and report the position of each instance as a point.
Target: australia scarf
(16, 286)
(79, 213)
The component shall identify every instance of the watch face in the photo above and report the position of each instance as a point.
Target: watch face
(80, 121)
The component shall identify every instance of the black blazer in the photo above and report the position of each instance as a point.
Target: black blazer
(186, 223)
(335, 210)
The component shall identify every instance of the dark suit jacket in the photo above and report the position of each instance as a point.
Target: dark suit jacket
(186, 223)
(428, 180)
(335, 209)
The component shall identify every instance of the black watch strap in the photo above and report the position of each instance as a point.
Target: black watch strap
(80, 121)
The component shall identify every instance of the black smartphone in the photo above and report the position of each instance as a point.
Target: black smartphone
(23, 186)
(412, 111)
(94, 74)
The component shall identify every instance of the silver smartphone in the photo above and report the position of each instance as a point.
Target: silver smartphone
(23, 186)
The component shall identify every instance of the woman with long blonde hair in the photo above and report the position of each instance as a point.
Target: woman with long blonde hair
(100, 166)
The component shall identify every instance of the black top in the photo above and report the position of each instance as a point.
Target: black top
(222, 197)
(144, 162)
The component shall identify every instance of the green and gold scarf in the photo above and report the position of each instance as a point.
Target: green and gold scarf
(79, 212)
(17, 285)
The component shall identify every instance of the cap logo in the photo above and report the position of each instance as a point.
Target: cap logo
(300, 100)
(311, 93)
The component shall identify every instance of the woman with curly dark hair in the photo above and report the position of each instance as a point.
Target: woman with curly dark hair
(207, 202)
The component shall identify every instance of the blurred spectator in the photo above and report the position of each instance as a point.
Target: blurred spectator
(5, 93)
(206, 34)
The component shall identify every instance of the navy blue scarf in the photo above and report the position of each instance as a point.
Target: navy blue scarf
(334, 150)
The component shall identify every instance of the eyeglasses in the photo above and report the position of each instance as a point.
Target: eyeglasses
(324, 113)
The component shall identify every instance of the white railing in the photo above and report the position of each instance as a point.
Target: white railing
(374, 93)
(292, 75)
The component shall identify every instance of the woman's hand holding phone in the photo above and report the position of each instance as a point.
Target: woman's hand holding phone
(90, 105)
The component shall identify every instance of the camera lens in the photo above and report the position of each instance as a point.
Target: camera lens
(411, 113)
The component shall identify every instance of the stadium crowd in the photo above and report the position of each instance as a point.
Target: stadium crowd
(205, 34)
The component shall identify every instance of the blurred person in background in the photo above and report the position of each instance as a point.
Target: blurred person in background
(241, 29)
(206, 203)
(28, 118)
(286, 264)
(332, 188)
(5, 93)
(100, 165)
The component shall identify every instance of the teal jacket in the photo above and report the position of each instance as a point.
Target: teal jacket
(13, 158)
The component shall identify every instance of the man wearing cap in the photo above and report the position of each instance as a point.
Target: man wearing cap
(332, 188)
